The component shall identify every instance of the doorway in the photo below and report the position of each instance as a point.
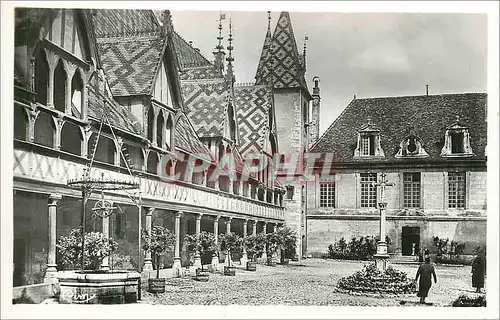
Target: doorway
(410, 241)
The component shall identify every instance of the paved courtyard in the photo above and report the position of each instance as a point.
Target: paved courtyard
(311, 283)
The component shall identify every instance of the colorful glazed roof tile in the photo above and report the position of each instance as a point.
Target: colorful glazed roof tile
(128, 22)
(131, 63)
(118, 115)
(199, 73)
(206, 102)
(394, 116)
(188, 56)
(253, 104)
(281, 63)
(187, 140)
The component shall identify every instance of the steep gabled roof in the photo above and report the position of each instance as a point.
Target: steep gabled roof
(262, 71)
(131, 46)
(118, 115)
(254, 103)
(131, 63)
(282, 63)
(128, 22)
(393, 116)
(186, 139)
(188, 56)
(206, 103)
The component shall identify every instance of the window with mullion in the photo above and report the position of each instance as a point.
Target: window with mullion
(327, 194)
(411, 190)
(368, 190)
(456, 189)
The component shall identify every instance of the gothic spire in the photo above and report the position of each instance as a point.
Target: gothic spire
(262, 71)
(286, 64)
(230, 59)
(219, 49)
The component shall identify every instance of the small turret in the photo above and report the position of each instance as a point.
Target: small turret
(230, 59)
(314, 128)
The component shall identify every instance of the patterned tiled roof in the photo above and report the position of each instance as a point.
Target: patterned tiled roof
(252, 113)
(131, 63)
(187, 140)
(117, 114)
(188, 56)
(128, 22)
(283, 59)
(262, 70)
(199, 73)
(428, 115)
(206, 102)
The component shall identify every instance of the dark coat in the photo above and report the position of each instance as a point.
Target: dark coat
(478, 271)
(424, 272)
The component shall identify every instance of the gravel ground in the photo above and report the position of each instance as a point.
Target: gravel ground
(310, 283)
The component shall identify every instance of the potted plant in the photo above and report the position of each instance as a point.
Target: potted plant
(254, 245)
(201, 243)
(97, 247)
(288, 241)
(158, 242)
(230, 242)
(273, 243)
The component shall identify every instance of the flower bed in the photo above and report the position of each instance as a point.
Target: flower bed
(467, 300)
(371, 281)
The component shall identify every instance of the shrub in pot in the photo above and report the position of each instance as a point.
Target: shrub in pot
(97, 247)
(159, 241)
(230, 242)
(202, 243)
(254, 245)
(288, 242)
(273, 243)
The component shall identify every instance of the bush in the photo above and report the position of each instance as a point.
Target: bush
(372, 280)
(363, 248)
(441, 245)
(97, 247)
(465, 300)
(288, 240)
(451, 256)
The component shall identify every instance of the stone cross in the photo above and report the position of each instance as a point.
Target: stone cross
(382, 256)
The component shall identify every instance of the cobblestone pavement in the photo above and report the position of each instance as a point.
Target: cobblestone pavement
(310, 283)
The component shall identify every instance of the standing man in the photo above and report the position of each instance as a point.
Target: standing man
(425, 271)
(478, 270)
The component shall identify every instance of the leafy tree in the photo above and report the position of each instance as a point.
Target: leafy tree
(203, 242)
(97, 247)
(158, 242)
(255, 245)
(230, 242)
(288, 241)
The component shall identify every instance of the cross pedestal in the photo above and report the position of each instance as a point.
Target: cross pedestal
(381, 257)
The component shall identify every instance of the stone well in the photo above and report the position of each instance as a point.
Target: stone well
(98, 287)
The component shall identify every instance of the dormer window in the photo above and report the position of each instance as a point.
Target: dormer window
(411, 147)
(369, 142)
(457, 141)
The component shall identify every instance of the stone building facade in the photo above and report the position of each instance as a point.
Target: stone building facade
(161, 111)
(432, 147)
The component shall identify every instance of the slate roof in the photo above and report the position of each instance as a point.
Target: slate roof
(428, 115)
(118, 115)
(282, 61)
(252, 113)
(206, 102)
(186, 139)
(199, 73)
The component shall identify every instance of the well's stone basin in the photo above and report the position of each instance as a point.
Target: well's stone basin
(90, 287)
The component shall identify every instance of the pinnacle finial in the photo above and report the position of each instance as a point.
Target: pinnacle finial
(269, 20)
(230, 47)
(219, 38)
(305, 44)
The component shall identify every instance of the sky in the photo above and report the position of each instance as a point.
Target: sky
(362, 54)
